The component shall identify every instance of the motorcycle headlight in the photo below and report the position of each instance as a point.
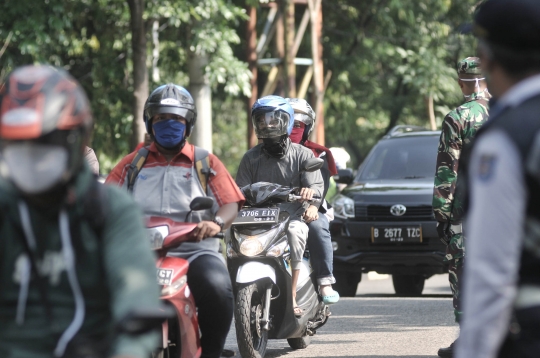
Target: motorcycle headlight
(251, 245)
(157, 235)
(278, 249)
(343, 206)
(174, 287)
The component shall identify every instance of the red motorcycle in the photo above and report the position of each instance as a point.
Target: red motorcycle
(180, 335)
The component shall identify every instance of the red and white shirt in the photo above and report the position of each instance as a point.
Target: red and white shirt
(166, 189)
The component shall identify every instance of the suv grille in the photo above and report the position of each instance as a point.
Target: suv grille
(382, 213)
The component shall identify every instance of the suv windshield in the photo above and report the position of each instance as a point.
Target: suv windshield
(401, 158)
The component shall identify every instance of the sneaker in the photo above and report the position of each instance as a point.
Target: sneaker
(330, 299)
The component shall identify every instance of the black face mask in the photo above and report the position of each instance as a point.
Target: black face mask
(276, 146)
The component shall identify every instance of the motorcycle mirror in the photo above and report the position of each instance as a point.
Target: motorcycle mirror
(201, 203)
(312, 164)
(143, 320)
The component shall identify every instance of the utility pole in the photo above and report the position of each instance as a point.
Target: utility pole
(275, 71)
(290, 67)
(315, 9)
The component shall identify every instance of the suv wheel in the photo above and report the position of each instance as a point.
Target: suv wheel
(408, 285)
(346, 283)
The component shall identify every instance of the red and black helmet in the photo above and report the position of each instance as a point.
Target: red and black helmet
(37, 100)
(45, 104)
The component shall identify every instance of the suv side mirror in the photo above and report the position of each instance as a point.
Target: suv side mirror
(344, 176)
(312, 165)
(201, 203)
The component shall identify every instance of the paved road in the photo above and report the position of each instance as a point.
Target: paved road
(376, 324)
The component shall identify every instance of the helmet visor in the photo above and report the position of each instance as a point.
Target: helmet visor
(304, 118)
(270, 124)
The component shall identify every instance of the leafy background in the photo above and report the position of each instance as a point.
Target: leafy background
(386, 57)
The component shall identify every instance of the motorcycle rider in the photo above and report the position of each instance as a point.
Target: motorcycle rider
(165, 186)
(73, 254)
(319, 240)
(278, 160)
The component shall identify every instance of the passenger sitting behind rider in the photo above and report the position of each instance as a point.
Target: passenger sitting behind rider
(278, 160)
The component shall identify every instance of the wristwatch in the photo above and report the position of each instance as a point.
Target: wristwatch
(219, 221)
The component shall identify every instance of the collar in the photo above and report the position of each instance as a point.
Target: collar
(521, 92)
(187, 151)
(479, 95)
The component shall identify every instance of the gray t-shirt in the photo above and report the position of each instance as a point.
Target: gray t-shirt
(258, 166)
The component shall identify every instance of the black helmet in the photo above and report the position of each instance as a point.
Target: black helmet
(170, 98)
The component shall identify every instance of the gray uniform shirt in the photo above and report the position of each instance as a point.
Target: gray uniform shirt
(496, 229)
(258, 166)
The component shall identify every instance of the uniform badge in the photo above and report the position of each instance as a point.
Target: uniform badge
(487, 167)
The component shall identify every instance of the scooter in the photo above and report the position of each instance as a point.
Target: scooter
(180, 335)
(258, 259)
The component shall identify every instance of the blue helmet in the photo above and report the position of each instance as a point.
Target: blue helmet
(272, 116)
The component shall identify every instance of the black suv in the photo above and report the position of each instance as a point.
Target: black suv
(384, 219)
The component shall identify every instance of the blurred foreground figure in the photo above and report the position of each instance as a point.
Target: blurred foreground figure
(501, 302)
(458, 129)
(74, 259)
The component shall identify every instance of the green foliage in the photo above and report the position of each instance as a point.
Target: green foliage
(230, 131)
(387, 56)
(205, 26)
(92, 40)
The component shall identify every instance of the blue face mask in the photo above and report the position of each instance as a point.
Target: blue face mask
(169, 133)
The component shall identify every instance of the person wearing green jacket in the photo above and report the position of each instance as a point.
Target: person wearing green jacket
(74, 259)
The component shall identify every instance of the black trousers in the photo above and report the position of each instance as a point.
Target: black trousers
(209, 281)
(525, 343)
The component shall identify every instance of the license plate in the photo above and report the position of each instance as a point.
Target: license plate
(257, 215)
(396, 234)
(164, 276)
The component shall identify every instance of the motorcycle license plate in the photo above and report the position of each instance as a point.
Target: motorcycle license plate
(396, 234)
(164, 276)
(257, 215)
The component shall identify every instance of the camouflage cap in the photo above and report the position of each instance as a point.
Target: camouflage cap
(469, 66)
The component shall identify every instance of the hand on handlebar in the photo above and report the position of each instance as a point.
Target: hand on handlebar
(206, 229)
(311, 214)
(306, 194)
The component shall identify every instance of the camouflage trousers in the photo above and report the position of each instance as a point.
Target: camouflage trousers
(455, 253)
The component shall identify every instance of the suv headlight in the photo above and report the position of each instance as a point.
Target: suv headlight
(343, 206)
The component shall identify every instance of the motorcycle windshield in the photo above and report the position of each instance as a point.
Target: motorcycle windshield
(263, 192)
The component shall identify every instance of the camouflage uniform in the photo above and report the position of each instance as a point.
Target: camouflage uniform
(458, 129)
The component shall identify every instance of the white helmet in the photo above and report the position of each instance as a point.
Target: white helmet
(303, 113)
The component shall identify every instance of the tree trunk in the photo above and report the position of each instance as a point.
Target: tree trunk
(251, 37)
(140, 72)
(199, 86)
(155, 52)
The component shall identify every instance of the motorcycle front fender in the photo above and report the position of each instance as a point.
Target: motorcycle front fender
(253, 271)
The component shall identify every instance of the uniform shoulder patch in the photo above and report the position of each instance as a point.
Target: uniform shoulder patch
(487, 165)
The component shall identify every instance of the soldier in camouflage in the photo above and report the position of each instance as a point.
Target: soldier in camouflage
(458, 129)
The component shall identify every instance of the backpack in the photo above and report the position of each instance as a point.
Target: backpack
(202, 164)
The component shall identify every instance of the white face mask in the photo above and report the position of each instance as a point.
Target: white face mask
(35, 168)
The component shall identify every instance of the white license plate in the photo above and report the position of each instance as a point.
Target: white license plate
(396, 234)
(164, 276)
(257, 215)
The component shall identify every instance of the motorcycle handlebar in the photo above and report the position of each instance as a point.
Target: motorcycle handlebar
(315, 200)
